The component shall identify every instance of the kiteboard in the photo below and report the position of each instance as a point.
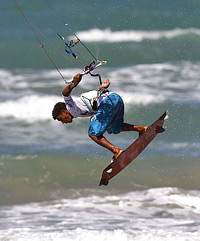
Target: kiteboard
(126, 157)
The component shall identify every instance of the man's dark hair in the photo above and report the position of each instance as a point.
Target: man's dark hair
(57, 110)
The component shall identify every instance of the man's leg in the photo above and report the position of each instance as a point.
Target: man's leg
(102, 141)
(129, 127)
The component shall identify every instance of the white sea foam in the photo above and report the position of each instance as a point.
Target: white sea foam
(163, 214)
(27, 78)
(39, 108)
(138, 85)
(107, 35)
(138, 98)
(29, 108)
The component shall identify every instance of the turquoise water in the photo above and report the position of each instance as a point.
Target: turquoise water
(49, 172)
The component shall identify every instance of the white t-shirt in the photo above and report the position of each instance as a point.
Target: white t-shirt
(77, 108)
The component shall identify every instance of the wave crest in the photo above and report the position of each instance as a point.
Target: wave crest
(29, 108)
(109, 36)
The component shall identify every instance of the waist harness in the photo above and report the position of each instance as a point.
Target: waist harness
(90, 99)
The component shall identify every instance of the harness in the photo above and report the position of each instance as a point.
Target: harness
(91, 98)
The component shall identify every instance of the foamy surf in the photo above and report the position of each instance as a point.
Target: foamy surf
(109, 36)
(162, 214)
(147, 84)
(29, 108)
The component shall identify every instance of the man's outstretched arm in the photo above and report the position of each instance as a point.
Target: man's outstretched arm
(68, 89)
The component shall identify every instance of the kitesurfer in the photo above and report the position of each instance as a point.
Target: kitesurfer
(105, 108)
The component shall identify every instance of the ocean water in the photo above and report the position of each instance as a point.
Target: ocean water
(49, 172)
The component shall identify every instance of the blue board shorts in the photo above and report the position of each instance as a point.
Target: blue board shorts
(109, 116)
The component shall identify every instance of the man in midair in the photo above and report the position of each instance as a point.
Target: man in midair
(105, 108)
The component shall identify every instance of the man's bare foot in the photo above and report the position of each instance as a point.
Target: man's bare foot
(143, 129)
(119, 151)
(116, 156)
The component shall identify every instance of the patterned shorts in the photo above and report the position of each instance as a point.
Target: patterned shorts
(109, 116)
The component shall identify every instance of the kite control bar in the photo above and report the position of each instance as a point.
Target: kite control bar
(88, 69)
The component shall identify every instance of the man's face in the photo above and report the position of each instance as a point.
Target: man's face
(65, 117)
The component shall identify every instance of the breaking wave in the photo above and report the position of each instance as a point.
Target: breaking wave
(109, 36)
